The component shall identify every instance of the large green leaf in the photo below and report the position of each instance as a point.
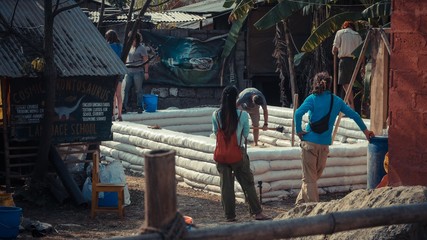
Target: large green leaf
(238, 17)
(228, 3)
(327, 29)
(241, 10)
(379, 9)
(279, 12)
(232, 37)
(299, 57)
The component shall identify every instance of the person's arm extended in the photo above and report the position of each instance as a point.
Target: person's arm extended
(349, 112)
(265, 112)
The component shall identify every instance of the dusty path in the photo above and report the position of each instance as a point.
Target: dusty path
(74, 222)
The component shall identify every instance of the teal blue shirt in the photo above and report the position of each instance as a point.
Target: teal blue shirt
(317, 106)
(242, 126)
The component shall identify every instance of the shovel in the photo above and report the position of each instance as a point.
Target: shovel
(280, 129)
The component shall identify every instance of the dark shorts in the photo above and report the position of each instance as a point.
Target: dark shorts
(345, 70)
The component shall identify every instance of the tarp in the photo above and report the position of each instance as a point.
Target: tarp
(184, 61)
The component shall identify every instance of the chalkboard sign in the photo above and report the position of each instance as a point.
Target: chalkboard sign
(83, 109)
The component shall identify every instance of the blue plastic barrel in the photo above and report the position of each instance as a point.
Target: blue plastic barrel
(150, 102)
(377, 148)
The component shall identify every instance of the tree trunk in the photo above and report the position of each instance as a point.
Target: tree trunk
(101, 17)
(49, 80)
(129, 39)
(292, 76)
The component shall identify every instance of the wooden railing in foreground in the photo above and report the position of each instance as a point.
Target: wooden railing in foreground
(160, 204)
(321, 224)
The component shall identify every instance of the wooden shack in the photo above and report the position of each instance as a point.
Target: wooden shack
(87, 72)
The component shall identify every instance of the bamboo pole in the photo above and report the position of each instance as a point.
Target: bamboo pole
(353, 78)
(321, 224)
(160, 188)
(385, 40)
(295, 106)
(4, 107)
(335, 74)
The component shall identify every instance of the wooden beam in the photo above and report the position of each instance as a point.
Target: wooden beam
(385, 41)
(379, 87)
(328, 223)
(295, 106)
(353, 78)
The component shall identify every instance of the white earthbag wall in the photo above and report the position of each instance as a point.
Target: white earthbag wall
(276, 163)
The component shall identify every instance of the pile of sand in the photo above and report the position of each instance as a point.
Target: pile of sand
(362, 199)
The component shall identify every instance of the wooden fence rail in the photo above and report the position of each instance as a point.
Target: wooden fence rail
(297, 227)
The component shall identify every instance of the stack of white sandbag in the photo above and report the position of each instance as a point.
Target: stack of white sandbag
(276, 167)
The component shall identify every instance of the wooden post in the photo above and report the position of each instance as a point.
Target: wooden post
(379, 88)
(295, 106)
(160, 188)
(335, 74)
(353, 78)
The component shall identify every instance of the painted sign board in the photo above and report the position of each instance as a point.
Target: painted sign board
(82, 112)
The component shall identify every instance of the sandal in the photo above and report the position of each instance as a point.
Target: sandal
(119, 119)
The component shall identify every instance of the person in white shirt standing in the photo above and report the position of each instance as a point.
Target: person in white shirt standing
(345, 42)
(137, 64)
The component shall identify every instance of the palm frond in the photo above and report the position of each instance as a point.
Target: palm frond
(232, 37)
(379, 9)
(327, 29)
(279, 12)
(241, 10)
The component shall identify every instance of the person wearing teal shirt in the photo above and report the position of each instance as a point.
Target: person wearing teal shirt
(229, 121)
(315, 146)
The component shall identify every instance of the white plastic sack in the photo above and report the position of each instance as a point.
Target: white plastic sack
(87, 190)
(114, 173)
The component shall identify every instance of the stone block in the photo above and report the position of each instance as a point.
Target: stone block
(187, 92)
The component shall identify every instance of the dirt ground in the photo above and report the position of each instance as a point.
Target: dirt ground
(72, 222)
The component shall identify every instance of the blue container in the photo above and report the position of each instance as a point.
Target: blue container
(150, 102)
(10, 218)
(377, 148)
(110, 199)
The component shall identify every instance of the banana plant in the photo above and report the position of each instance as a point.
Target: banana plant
(330, 26)
(237, 17)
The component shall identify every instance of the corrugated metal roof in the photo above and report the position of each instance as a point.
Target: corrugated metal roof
(111, 16)
(204, 7)
(173, 17)
(79, 48)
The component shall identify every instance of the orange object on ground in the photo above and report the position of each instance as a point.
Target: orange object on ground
(188, 220)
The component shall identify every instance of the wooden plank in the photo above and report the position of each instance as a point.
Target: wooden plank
(379, 89)
(12, 165)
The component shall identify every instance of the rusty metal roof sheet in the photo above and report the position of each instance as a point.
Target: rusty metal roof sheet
(79, 48)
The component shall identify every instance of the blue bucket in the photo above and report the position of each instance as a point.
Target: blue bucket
(110, 199)
(10, 219)
(150, 102)
(377, 148)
